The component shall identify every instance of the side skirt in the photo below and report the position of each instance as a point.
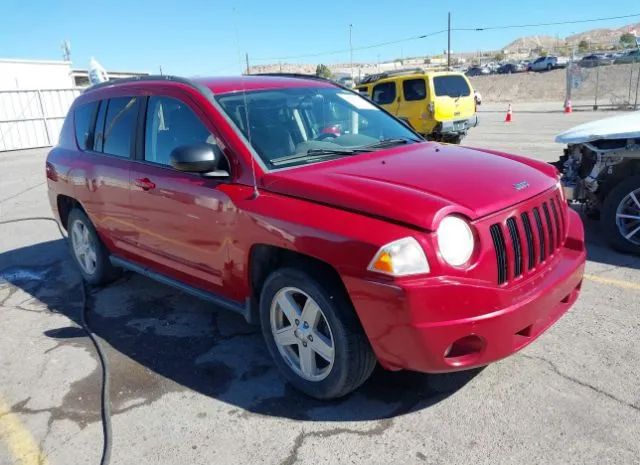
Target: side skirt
(234, 306)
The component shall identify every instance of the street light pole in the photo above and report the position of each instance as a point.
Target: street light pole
(351, 49)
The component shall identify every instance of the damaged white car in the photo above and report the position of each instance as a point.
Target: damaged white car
(601, 169)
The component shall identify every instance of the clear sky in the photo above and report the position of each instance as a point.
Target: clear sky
(198, 37)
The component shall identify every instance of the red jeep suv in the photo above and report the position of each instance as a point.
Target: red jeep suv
(310, 210)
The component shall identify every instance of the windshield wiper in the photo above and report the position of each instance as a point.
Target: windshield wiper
(391, 142)
(313, 154)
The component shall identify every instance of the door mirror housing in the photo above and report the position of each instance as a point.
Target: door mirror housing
(198, 158)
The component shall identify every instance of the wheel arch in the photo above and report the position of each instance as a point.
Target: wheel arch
(627, 169)
(266, 258)
(65, 204)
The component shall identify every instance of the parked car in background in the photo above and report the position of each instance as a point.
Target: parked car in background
(601, 169)
(346, 81)
(478, 71)
(509, 68)
(310, 211)
(548, 63)
(439, 105)
(593, 60)
(632, 56)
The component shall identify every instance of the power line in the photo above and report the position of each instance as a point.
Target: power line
(431, 34)
(558, 23)
(364, 47)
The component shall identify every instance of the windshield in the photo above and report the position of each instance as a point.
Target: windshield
(294, 126)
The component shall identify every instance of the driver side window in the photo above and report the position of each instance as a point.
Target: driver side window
(170, 123)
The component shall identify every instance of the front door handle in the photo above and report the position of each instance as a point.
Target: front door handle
(145, 183)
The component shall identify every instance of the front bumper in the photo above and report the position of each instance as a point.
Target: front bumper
(441, 324)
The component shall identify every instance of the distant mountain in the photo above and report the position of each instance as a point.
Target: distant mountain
(531, 42)
(603, 36)
(600, 36)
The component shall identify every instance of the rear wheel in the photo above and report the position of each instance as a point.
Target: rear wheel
(621, 215)
(313, 334)
(88, 251)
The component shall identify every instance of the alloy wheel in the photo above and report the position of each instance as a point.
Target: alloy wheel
(84, 247)
(628, 217)
(302, 334)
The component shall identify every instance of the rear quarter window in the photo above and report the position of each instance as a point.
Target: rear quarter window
(84, 117)
(452, 86)
(414, 89)
(384, 93)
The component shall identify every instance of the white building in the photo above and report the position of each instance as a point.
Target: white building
(32, 74)
(35, 97)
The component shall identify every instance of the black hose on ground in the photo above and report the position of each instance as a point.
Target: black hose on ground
(105, 407)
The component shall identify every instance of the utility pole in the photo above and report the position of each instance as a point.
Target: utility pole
(449, 42)
(351, 49)
(246, 59)
(635, 105)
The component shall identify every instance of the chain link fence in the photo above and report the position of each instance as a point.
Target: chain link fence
(614, 86)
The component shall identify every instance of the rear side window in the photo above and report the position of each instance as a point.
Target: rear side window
(84, 117)
(452, 85)
(384, 93)
(414, 89)
(170, 124)
(119, 125)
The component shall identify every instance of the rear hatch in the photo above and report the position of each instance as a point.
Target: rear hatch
(453, 97)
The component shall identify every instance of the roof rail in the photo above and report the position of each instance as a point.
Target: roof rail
(385, 74)
(151, 77)
(292, 75)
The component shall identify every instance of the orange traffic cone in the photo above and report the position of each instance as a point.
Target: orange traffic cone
(567, 106)
(509, 115)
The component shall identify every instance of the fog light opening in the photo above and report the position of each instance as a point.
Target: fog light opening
(525, 332)
(464, 350)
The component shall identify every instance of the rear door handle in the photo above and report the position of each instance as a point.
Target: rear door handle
(145, 183)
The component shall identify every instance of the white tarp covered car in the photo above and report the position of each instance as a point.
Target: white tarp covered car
(601, 169)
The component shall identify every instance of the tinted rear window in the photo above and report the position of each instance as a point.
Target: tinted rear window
(453, 86)
(84, 117)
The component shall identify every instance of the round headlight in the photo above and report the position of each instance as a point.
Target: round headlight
(455, 240)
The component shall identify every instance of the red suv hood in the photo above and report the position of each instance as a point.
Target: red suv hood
(417, 184)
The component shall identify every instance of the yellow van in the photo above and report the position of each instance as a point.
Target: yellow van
(439, 105)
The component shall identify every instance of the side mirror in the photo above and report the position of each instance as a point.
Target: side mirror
(198, 158)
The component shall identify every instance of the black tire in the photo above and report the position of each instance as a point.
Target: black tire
(455, 139)
(104, 270)
(354, 360)
(549, 67)
(608, 216)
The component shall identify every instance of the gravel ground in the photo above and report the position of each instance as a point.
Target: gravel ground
(194, 384)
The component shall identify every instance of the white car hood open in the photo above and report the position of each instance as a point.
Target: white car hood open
(617, 127)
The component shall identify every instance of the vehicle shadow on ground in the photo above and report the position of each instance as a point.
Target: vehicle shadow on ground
(161, 340)
(598, 249)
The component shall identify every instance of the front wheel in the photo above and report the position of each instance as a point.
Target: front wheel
(621, 216)
(313, 334)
